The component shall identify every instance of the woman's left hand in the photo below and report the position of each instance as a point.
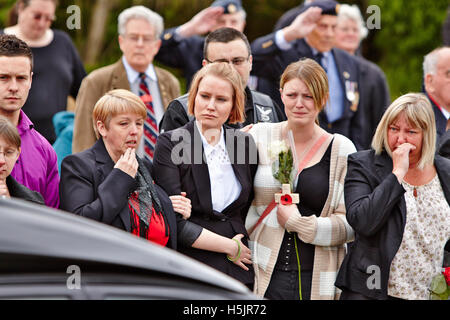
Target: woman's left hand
(182, 205)
(284, 212)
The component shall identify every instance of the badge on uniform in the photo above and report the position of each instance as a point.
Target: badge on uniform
(264, 114)
(351, 91)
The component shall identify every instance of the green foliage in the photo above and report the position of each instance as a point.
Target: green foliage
(409, 30)
(439, 290)
(282, 167)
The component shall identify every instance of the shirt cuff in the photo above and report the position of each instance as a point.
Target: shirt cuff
(281, 43)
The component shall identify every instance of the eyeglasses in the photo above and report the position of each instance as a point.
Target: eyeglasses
(39, 16)
(135, 38)
(235, 61)
(8, 154)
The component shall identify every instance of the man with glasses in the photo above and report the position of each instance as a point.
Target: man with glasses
(36, 167)
(139, 39)
(230, 46)
(182, 46)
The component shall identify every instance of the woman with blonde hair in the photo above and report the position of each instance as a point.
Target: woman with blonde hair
(397, 198)
(297, 249)
(110, 183)
(209, 162)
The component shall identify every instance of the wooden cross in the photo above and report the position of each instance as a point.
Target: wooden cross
(286, 190)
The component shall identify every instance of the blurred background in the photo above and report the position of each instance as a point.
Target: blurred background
(409, 30)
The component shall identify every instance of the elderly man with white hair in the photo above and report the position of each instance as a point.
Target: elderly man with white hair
(374, 89)
(436, 71)
(140, 30)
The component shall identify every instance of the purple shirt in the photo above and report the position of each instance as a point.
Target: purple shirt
(37, 166)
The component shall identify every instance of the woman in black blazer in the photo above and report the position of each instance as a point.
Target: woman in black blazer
(397, 199)
(110, 183)
(210, 163)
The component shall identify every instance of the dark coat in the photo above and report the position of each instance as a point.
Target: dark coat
(91, 187)
(192, 177)
(441, 121)
(444, 145)
(17, 190)
(376, 98)
(376, 210)
(269, 62)
(186, 54)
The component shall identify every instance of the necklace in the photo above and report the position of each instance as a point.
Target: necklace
(415, 192)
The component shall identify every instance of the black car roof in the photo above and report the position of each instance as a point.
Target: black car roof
(30, 229)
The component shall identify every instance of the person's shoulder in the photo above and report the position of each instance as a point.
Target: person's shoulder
(165, 75)
(345, 144)
(104, 71)
(364, 156)
(32, 136)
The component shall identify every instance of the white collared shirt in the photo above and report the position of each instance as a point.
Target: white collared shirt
(225, 187)
(152, 83)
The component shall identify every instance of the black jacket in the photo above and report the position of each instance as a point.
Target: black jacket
(376, 210)
(17, 190)
(91, 187)
(191, 175)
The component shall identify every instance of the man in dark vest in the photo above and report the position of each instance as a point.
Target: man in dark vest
(231, 46)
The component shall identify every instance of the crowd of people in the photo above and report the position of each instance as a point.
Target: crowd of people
(195, 172)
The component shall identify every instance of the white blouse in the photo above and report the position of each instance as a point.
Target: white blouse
(421, 252)
(225, 187)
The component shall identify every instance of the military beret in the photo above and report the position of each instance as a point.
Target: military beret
(229, 6)
(329, 7)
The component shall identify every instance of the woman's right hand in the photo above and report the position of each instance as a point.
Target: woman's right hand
(182, 205)
(128, 163)
(400, 160)
(245, 256)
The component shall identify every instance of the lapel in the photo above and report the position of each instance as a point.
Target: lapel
(238, 168)
(200, 173)
(162, 85)
(119, 78)
(104, 167)
(383, 167)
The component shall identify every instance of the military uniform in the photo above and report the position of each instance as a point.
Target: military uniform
(182, 53)
(376, 98)
(269, 62)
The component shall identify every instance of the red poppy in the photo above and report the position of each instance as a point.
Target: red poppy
(446, 274)
(285, 199)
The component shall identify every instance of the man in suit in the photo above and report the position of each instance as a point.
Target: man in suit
(436, 70)
(312, 35)
(182, 46)
(139, 33)
(231, 46)
(36, 167)
(374, 88)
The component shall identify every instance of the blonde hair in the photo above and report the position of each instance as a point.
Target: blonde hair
(313, 76)
(418, 111)
(116, 102)
(9, 132)
(226, 72)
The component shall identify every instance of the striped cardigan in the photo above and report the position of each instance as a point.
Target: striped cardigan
(328, 233)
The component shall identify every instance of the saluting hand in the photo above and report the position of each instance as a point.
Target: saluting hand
(128, 163)
(303, 24)
(203, 22)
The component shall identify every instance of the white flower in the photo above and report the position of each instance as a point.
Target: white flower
(276, 148)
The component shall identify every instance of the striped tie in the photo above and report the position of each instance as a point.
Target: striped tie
(150, 125)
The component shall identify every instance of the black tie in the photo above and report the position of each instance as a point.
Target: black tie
(318, 57)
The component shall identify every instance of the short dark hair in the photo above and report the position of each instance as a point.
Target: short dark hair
(225, 35)
(11, 46)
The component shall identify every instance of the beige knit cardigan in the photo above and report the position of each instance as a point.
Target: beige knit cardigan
(328, 233)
